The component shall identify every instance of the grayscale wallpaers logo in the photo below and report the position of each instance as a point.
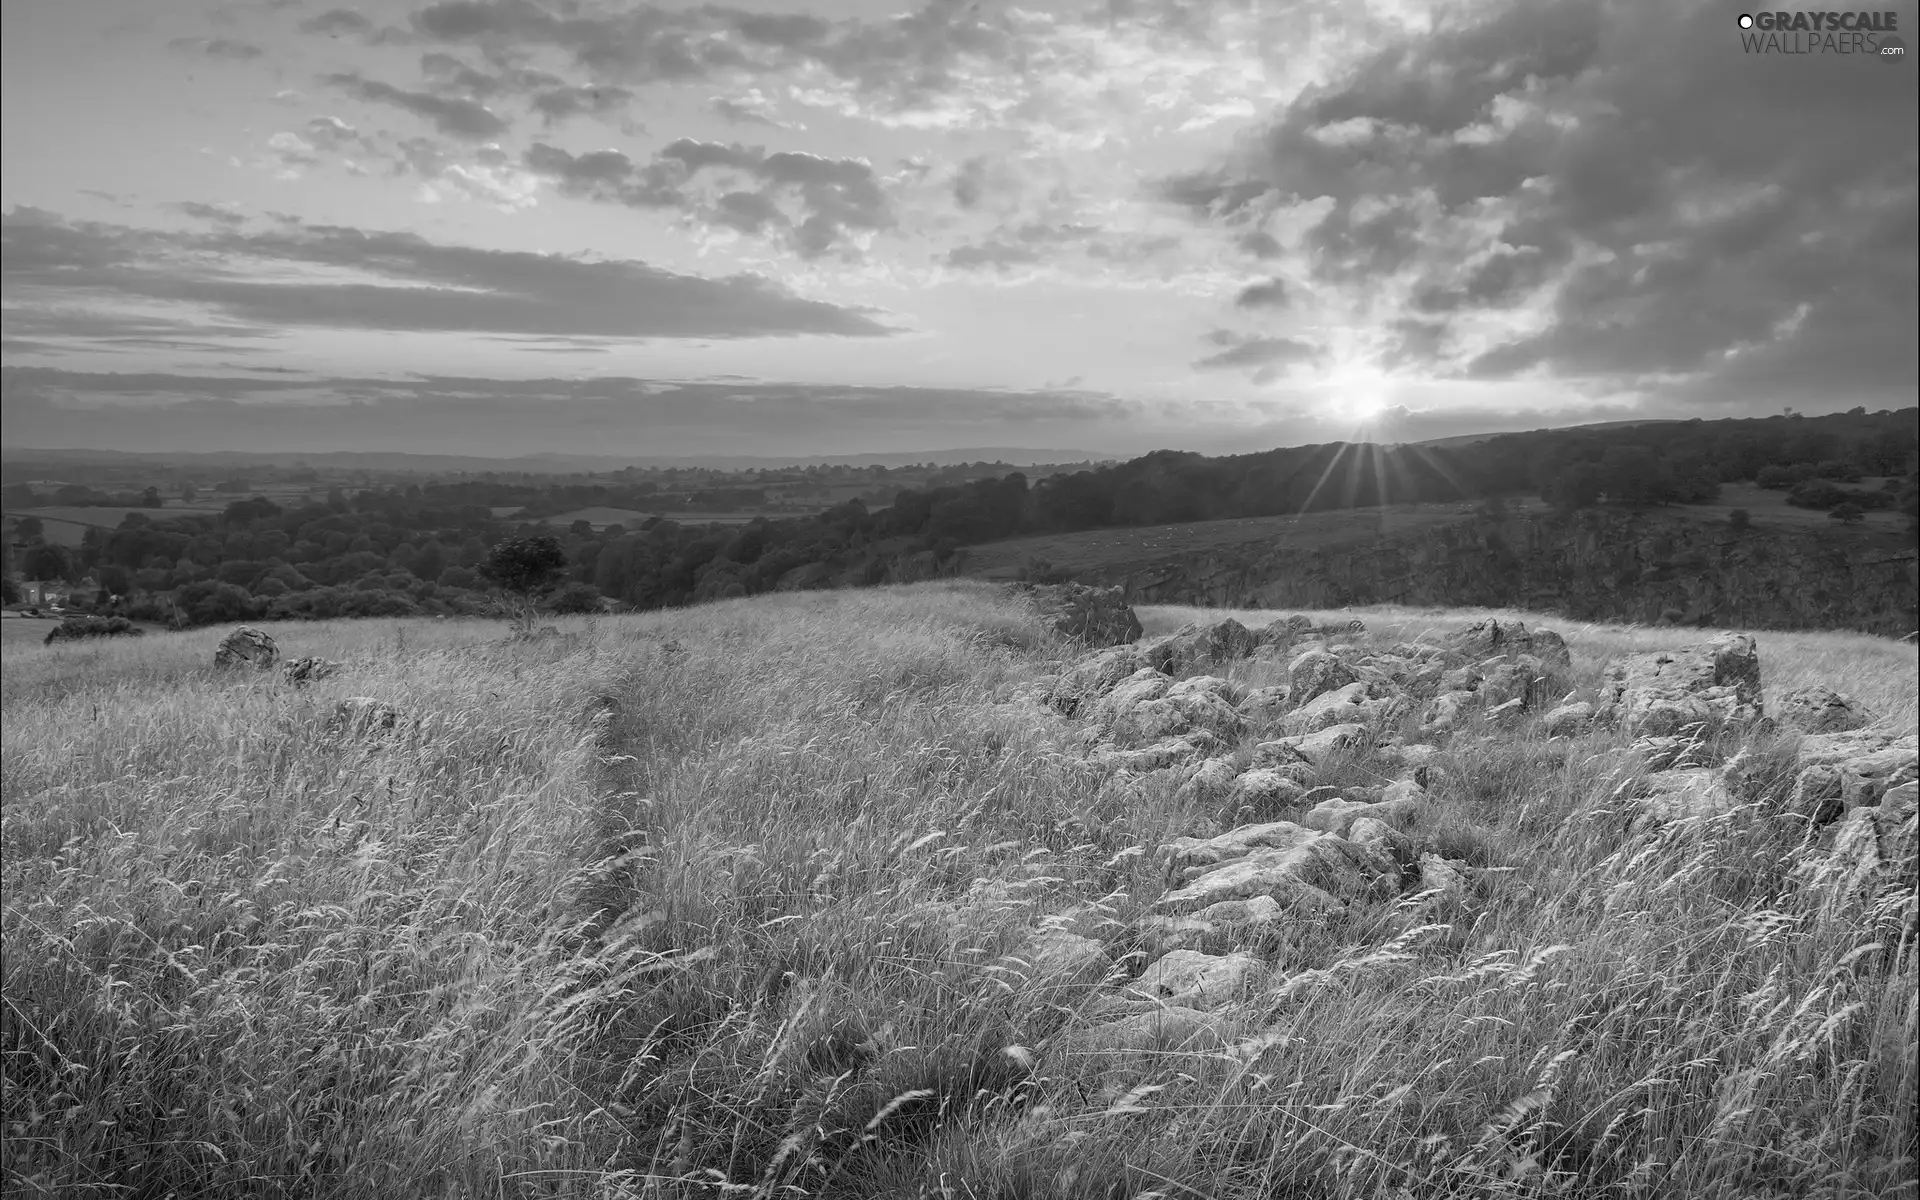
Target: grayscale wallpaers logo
(1867, 34)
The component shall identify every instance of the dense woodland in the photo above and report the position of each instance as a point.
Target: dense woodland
(419, 547)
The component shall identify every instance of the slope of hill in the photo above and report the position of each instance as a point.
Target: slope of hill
(811, 895)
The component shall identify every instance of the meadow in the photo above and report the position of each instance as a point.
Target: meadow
(742, 900)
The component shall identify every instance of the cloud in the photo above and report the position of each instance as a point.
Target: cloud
(816, 204)
(1242, 351)
(449, 414)
(1270, 294)
(454, 117)
(227, 48)
(393, 282)
(1613, 195)
(750, 107)
(557, 104)
(348, 22)
(996, 256)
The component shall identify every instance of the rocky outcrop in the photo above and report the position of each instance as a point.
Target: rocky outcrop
(1098, 616)
(1596, 565)
(1668, 690)
(301, 671)
(1820, 709)
(247, 647)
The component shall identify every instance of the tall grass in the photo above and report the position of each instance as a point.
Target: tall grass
(743, 901)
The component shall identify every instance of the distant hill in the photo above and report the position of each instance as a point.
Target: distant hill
(552, 464)
(1473, 439)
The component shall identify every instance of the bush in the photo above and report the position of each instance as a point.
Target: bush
(75, 629)
(576, 598)
(1816, 493)
(1848, 514)
(1740, 518)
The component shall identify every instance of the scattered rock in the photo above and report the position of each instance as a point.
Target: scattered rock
(1257, 794)
(1203, 703)
(1169, 752)
(1371, 831)
(1820, 709)
(1666, 691)
(1570, 720)
(1450, 878)
(1507, 713)
(1209, 783)
(1190, 857)
(1094, 615)
(1090, 680)
(1169, 1028)
(1313, 748)
(1067, 957)
(1196, 645)
(1317, 872)
(363, 714)
(1510, 638)
(1838, 772)
(1316, 672)
(1403, 802)
(1358, 703)
(1263, 707)
(247, 647)
(1194, 980)
(1871, 844)
(1691, 794)
(302, 671)
(1447, 712)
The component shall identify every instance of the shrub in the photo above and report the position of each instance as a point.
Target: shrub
(1848, 514)
(1740, 518)
(75, 629)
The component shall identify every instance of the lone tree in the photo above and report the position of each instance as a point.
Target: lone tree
(1848, 514)
(523, 568)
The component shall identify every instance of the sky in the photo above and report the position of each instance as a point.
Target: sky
(505, 227)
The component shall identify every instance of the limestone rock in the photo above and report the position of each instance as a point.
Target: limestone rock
(1169, 1028)
(1451, 878)
(1448, 712)
(1320, 872)
(247, 647)
(1820, 709)
(1837, 772)
(1092, 679)
(1190, 979)
(1689, 794)
(1094, 615)
(1168, 752)
(302, 671)
(1202, 703)
(1209, 782)
(1068, 957)
(1510, 638)
(1872, 845)
(1570, 720)
(363, 714)
(1314, 748)
(1316, 672)
(1263, 708)
(1262, 790)
(1358, 703)
(1196, 645)
(1371, 831)
(1189, 857)
(1506, 714)
(1665, 691)
(1403, 802)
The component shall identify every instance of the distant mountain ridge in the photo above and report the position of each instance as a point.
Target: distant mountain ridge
(376, 460)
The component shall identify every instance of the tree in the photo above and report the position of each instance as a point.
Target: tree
(46, 561)
(151, 498)
(527, 565)
(188, 492)
(1740, 519)
(1848, 514)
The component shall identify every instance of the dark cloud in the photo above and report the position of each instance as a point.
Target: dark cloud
(209, 212)
(1242, 351)
(227, 48)
(452, 116)
(559, 103)
(1674, 208)
(340, 22)
(51, 263)
(836, 197)
(1270, 294)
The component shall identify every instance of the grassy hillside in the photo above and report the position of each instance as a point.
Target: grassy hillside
(744, 900)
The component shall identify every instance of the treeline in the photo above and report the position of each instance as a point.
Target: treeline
(414, 549)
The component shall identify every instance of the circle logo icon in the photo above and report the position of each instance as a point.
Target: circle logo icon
(1746, 20)
(1892, 49)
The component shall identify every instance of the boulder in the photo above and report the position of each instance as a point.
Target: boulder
(1515, 679)
(1403, 802)
(247, 647)
(1168, 752)
(1666, 691)
(1191, 979)
(1449, 878)
(363, 714)
(1093, 678)
(1695, 793)
(1570, 720)
(302, 671)
(1261, 791)
(1209, 783)
(1222, 927)
(1316, 872)
(1820, 709)
(1837, 772)
(1283, 631)
(1094, 615)
(1360, 703)
(1510, 638)
(1263, 707)
(1447, 712)
(1316, 672)
(1871, 845)
(1163, 1029)
(1313, 749)
(1188, 858)
(1195, 645)
(1506, 714)
(1203, 703)
(1371, 831)
(1059, 955)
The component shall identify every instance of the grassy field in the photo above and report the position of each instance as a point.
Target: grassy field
(742, 901)
(1770, 507)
